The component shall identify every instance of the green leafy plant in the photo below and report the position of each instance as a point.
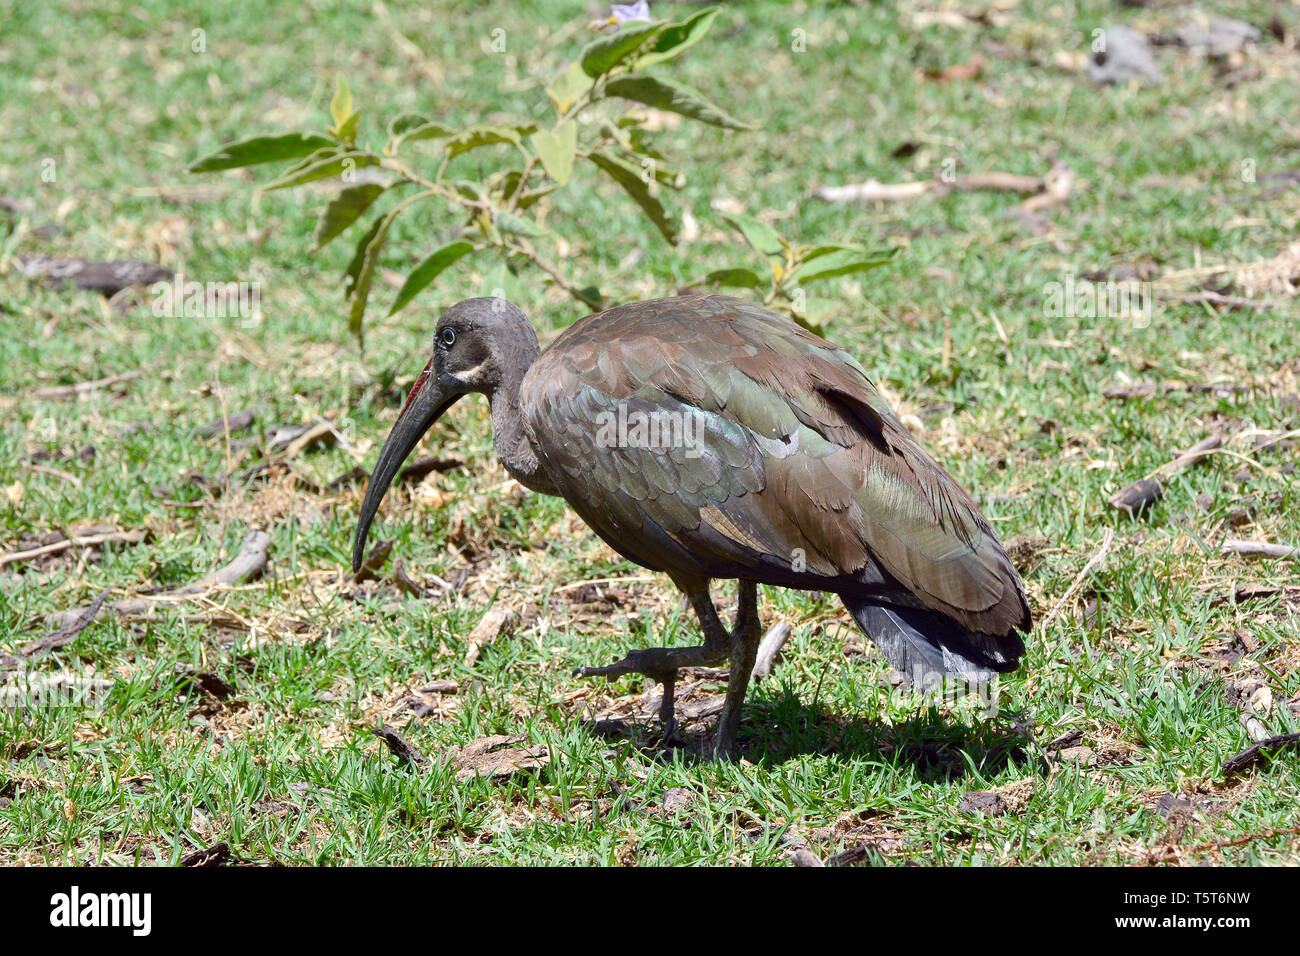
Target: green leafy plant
(789, 267)
(498, 212)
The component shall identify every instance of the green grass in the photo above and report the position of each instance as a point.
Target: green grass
(287, 771)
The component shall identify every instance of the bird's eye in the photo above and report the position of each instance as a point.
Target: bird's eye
(448, 336)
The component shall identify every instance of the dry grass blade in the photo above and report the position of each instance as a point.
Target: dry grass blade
(1093, 563)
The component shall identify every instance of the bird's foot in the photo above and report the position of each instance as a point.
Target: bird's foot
(659, 664)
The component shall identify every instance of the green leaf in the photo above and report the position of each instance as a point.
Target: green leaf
(418, 132)
(565, 89)
(347, 132)
(841, 262)
(360, 274)
(329, 165)
(677, 38)
(736, 278)
(365, 275)
(629, 177)
(344, 209)
(515, 225)
(477, 136)
(403, 123)
(353, 270)
(557, 149)
(341, 105)
(761, 237)
(428, 270)
(663, 95)
(260, 149)
(604, 53)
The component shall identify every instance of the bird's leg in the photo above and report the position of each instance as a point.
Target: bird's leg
(662, 663)
(745, 637)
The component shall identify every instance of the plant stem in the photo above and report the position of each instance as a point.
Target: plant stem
(523, 183)
(526, 250)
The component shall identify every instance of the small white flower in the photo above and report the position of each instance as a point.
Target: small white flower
(629, 12)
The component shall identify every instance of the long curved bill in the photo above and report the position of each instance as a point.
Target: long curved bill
(424, 406)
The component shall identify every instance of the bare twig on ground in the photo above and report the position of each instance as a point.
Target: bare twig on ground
(73, 541)
(215, 855)
(374, 561)
(248, 563)
(1261, 549)
(486, 631)
(220, 426)
(400, 747)
(1044, 192)
(81, 388)
(68, 632)
(1144, 492)
(1264, 749)
(769, 648)
(1218, 298)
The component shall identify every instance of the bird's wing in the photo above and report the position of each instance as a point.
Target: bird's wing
(794, 460)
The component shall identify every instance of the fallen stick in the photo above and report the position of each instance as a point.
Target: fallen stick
(1145, 492)
(73, 541)
(215, 855)
(1197, 453)
(57, 473)
(374, 561)
(108, 278)
(249, 562)
(320, 432)
(1242, 840)
(1137, 497)
(417, 469)
(1265, 748)
(874, 191)
(486, 631)
(219, 426)
(408, 584)
(770, 646)
(1057, 186)
(68, 632)
(1218, 298)
(400, 747)
(1052, 189)
(81, 388)
(1260, 549)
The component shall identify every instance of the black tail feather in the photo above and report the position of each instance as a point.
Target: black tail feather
(927, 646)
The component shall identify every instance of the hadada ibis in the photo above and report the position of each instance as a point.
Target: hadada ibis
(708, 437)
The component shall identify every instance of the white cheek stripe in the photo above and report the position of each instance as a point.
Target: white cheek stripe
(468, 373)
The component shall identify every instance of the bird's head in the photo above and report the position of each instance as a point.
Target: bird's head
(479, 346)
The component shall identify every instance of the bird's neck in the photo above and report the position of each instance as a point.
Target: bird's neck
(508, 434)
